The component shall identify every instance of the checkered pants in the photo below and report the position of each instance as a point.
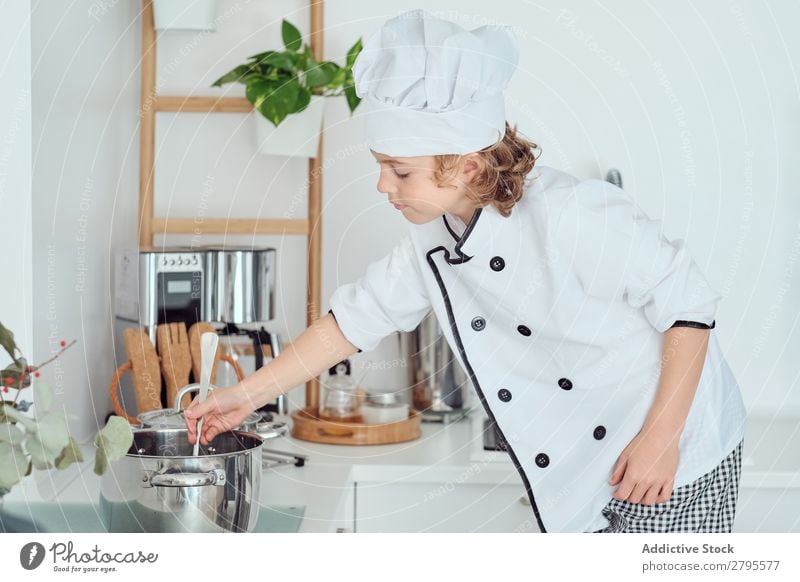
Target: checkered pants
(707, 504)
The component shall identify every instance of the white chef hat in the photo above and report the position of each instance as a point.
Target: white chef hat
(431, 87)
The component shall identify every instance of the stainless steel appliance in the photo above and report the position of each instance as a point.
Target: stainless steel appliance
(228, 285)
(235, 282)
(439, 386)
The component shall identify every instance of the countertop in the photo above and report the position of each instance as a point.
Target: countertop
(323, 484)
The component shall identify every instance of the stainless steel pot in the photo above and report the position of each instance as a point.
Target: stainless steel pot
(159, 486)
(173, 418)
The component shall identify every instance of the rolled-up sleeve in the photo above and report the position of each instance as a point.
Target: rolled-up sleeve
(389, 297)
(617, 251)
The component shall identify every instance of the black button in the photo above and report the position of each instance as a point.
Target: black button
(478, 323)
(600, 432)
(504, 395)
(524, 330)
(542, 460)
(565, 383)
(497, 263)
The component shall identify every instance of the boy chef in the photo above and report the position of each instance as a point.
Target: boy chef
(561, 299)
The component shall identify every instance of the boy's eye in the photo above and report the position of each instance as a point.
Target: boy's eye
(399, 175)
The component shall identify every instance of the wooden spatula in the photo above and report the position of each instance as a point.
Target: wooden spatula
(145, 372)
(195, 332)
(208, 349)
(176, 360)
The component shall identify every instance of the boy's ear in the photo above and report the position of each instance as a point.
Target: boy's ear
(471, 165)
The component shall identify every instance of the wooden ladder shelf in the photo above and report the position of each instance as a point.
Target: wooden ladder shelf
(151, 225)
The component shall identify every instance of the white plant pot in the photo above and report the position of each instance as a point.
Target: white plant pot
(185, 14)
(297, 135)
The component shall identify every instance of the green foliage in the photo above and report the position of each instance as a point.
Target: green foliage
(113, 442)
(44, 442)
(279, 83)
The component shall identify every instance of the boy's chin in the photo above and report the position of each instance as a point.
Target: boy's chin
(418, 217)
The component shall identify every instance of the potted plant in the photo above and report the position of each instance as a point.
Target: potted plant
(287, 89)
(43, 441)
(183, 15)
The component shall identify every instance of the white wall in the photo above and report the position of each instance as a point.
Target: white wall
(696, 104)
(15, 177)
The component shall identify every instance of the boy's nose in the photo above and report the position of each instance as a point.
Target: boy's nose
(385, 186)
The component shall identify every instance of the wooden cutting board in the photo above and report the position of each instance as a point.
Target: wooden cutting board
(176, 359)
(145, 371)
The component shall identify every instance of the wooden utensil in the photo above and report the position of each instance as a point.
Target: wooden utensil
(208, 349)
(195, 332)
(176, 359)
(145, 371)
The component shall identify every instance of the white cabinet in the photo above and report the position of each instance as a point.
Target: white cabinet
(344, 518)
(442, 507)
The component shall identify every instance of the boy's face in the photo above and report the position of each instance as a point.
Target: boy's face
(408, 183)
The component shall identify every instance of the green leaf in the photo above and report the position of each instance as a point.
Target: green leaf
(353, 53)
(235, 75)
(12, 434)
(100, 462)
(14, 465)
(292, 39)
(45, 443)
(53, 432)
(260, 56)
(319, 74)
(303, 99)
(339, 79)
(70, 454)
(285, 61)
(43, 397)
(7, 341)
(9, 413)
(41, 456)
(352, 98)
(274, 99)
(113, 442)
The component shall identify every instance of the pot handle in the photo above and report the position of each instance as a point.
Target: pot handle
(213, 477)
(185, 390)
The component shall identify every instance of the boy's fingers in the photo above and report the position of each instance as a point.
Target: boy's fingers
(617, 473)
(209, 434)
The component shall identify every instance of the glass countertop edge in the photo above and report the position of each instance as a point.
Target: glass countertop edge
(76, 517)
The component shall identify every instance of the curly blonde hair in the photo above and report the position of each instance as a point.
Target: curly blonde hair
(502, 180)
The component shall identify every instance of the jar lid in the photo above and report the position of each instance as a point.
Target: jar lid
(338, 369)
(383, 398)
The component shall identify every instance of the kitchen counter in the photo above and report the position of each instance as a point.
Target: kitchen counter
(324, 485)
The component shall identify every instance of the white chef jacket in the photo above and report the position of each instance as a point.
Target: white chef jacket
(557, 314)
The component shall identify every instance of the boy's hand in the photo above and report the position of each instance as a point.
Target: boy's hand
(223, 409)
(645, 470)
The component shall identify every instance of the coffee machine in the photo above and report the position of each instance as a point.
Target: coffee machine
(230, 287)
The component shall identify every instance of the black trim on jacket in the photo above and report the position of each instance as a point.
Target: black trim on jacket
(462, 258)
(454, 329)
(340, 329)
(697, 324)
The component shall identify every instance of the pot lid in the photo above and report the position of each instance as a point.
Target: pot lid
(170, 418)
